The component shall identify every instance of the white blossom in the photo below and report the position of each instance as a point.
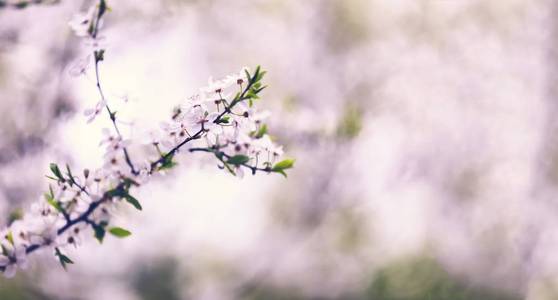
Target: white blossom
(82, 23)
(92, 113)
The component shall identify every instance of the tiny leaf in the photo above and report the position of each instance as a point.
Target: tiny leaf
(100, 231)
(119, 232)
(283, 165)
(50, 199)
(64, 260)
(248, 76)
(56, 171)
(261, 132)
(10, 237)
(71, 177)
(130, 199)
(224, 120)
(282, 173)
(256, 74)
(167, 162)
(238, 160)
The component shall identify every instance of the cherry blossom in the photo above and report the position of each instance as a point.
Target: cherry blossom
(220, 120)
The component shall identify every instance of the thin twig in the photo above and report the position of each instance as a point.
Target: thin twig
(112, 115)
(219, 153)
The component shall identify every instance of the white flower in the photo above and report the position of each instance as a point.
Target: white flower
(239, 171)
(16, 257)
(79, 67)
(251, 116)
(73, 236)
(175, 130)
(102, 214)
(198, 118)
(217, 86)
(238, 78)
(94, 181)
(242, 144)
(20, 233)
(152, 137)
(47, 236)
(276, 150)
(199, 99)
(41, 211)
(82, 23)
(143, 175)
(92, 113)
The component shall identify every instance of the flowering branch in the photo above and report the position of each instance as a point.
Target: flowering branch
(217, 122)
(98, 56)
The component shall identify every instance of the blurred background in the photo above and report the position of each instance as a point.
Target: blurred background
(424, 133)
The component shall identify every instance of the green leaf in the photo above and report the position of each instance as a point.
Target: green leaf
(284, 164)
(219, 156)
(64, 260)
(236, 97)
(50, 177)
(248, 76)
(128, 182)
(56, 171)
(99, 232)
(238, 160)
(130, 199)
(281, 166)
(50, 199)
(71, 177)
(256, 74)
(116, 193)
(282, 173)
(167, 163)
(119, 232)
(50, 194)
(261, 131)
(55, 204)
(10, 237)
(260, 76)
(224, 120)
(260, 89)
(251, 95)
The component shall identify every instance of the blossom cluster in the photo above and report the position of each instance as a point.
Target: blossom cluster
(221, 119)
(231, 127)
